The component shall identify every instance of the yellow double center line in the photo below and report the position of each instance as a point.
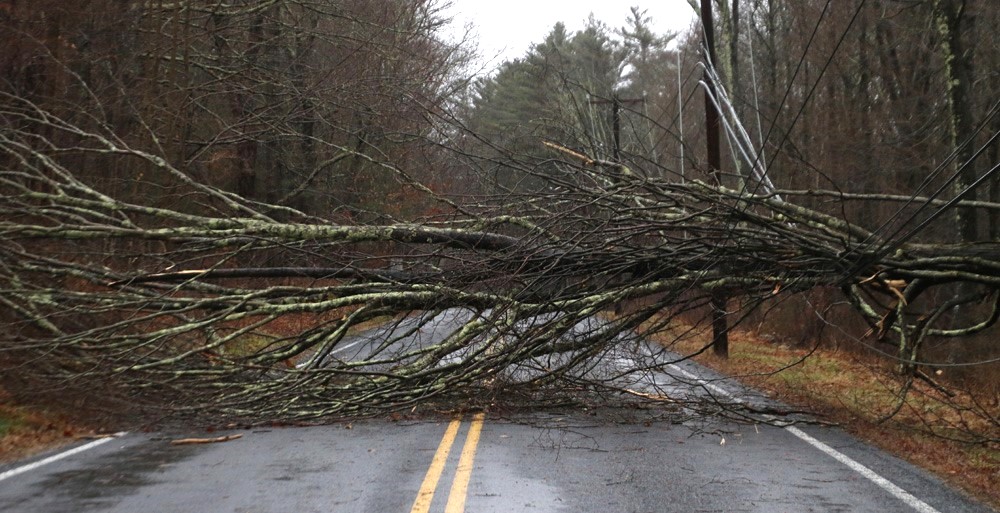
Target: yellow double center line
(460, 485)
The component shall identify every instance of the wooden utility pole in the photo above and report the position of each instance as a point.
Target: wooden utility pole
(720, 327)
(711, 113)
(616, 119)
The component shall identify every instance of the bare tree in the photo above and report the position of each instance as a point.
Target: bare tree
(178, 294)
(158, 302)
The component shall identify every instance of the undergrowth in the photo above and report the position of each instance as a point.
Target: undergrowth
(25, 431)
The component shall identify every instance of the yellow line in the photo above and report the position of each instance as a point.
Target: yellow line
(460, 486)
(426, 493)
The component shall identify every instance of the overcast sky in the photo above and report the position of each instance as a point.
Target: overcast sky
(508, 27)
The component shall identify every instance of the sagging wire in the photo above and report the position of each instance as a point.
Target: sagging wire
(891, 245)
(736, 132)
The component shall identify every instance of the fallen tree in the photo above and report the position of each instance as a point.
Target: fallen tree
(180, 307)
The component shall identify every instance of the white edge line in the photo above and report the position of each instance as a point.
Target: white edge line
(57, 457)
(866, 472)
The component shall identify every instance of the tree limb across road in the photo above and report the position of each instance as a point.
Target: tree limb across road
(305, 209)
(178, 306)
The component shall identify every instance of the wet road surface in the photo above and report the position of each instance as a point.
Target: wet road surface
(588, 461)
(605, 460)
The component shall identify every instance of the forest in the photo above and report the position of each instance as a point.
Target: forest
(204, 202)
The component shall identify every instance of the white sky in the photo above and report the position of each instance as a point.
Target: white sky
(509, 27)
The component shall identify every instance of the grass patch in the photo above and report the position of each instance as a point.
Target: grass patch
(25, 431)
(7, 424)
(949, 435)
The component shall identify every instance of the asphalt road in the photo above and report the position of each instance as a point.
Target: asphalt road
(606, 460)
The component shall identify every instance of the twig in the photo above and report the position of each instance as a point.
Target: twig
(192, 441)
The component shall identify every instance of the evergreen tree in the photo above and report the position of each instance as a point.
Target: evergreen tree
(560, 92)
